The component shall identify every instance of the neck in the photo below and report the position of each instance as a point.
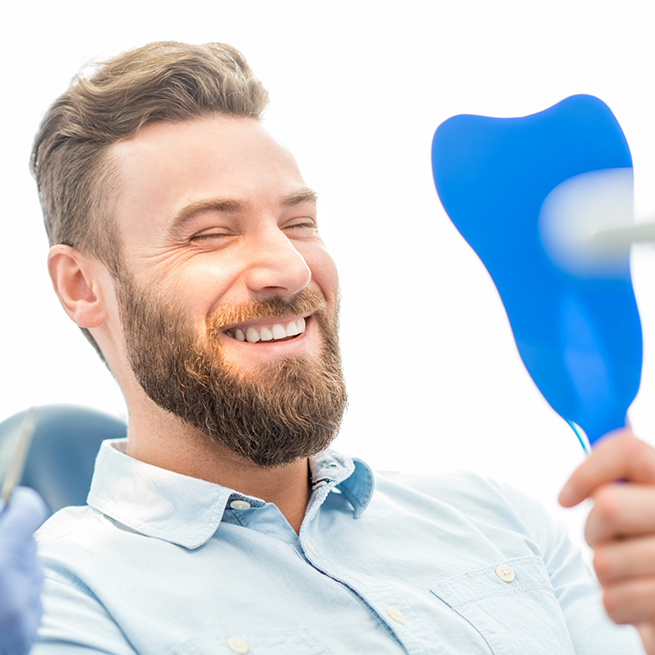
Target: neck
(160, 439)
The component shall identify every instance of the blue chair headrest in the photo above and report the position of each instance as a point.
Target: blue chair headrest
(65, 443)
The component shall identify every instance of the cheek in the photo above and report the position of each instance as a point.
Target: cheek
(324, 273)
(202, 284)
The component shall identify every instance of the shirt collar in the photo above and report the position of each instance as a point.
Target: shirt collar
(187, 511)
(352, 477)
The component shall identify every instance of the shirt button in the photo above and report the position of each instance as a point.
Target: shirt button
(237, 645)
(396, 614)
(310, 547)
(505, 573)
(240, 504)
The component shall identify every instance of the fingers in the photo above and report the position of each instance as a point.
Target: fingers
(647, 634)
(620, 510)
(631, 601)
(23, 514)
(617, 561)
(619, 456)
(619, 476)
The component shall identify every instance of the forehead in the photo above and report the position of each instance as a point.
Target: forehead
(168, 166)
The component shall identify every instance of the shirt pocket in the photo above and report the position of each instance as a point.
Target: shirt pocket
(253, 642)
(520, 616)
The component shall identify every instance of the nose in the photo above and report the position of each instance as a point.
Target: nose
(275, 264)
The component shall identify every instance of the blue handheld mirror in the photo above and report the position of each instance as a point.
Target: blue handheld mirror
(532, 196)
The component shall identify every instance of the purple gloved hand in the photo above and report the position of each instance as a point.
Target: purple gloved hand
(21, 578)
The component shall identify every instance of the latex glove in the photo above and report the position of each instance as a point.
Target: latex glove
(621, 526)
(21, 578)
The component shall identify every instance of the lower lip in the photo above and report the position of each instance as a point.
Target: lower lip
(273, 344)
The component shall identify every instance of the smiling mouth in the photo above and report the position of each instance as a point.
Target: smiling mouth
(275, 331)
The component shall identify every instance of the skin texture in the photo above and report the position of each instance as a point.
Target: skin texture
(257, 238)
(211, 213)
(619, 476)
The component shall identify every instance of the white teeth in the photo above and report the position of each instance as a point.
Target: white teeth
(264, 333)
(278, 332)
(252, 335)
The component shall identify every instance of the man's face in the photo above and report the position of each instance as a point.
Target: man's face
(228, 299)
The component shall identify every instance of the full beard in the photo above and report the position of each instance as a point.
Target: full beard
(286, 410)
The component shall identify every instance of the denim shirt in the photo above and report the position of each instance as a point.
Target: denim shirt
(163, 564)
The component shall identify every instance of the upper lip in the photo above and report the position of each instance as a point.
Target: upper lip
(265, 322)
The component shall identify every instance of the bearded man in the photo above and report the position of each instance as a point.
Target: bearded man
(185, 245)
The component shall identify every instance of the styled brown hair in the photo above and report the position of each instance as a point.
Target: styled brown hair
(160, 82)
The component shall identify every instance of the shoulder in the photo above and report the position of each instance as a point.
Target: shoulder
(64, 523)
(462, 489)
(72, 540)
(487, 503)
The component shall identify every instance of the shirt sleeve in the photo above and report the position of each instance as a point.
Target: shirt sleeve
(75, 622)
(592, 632)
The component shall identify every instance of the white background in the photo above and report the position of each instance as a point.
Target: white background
(357, 90)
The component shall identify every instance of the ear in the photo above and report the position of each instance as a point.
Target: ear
(77, 281)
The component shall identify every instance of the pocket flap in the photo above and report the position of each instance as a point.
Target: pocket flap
(513, 606)
(529, 573)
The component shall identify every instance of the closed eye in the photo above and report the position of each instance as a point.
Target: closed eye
(307, 225)
(210, 235)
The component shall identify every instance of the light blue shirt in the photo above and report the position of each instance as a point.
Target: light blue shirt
(163, 564)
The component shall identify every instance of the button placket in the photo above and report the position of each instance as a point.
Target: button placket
(237, 645)
(310, 547)
(396, 614)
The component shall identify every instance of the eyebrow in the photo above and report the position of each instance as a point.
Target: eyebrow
(231, 206)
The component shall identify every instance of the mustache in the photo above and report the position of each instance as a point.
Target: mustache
(306, 301)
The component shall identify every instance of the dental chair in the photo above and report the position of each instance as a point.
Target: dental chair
(65, 442)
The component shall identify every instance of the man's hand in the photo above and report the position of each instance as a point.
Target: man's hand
(21, 578)
(619, 476)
